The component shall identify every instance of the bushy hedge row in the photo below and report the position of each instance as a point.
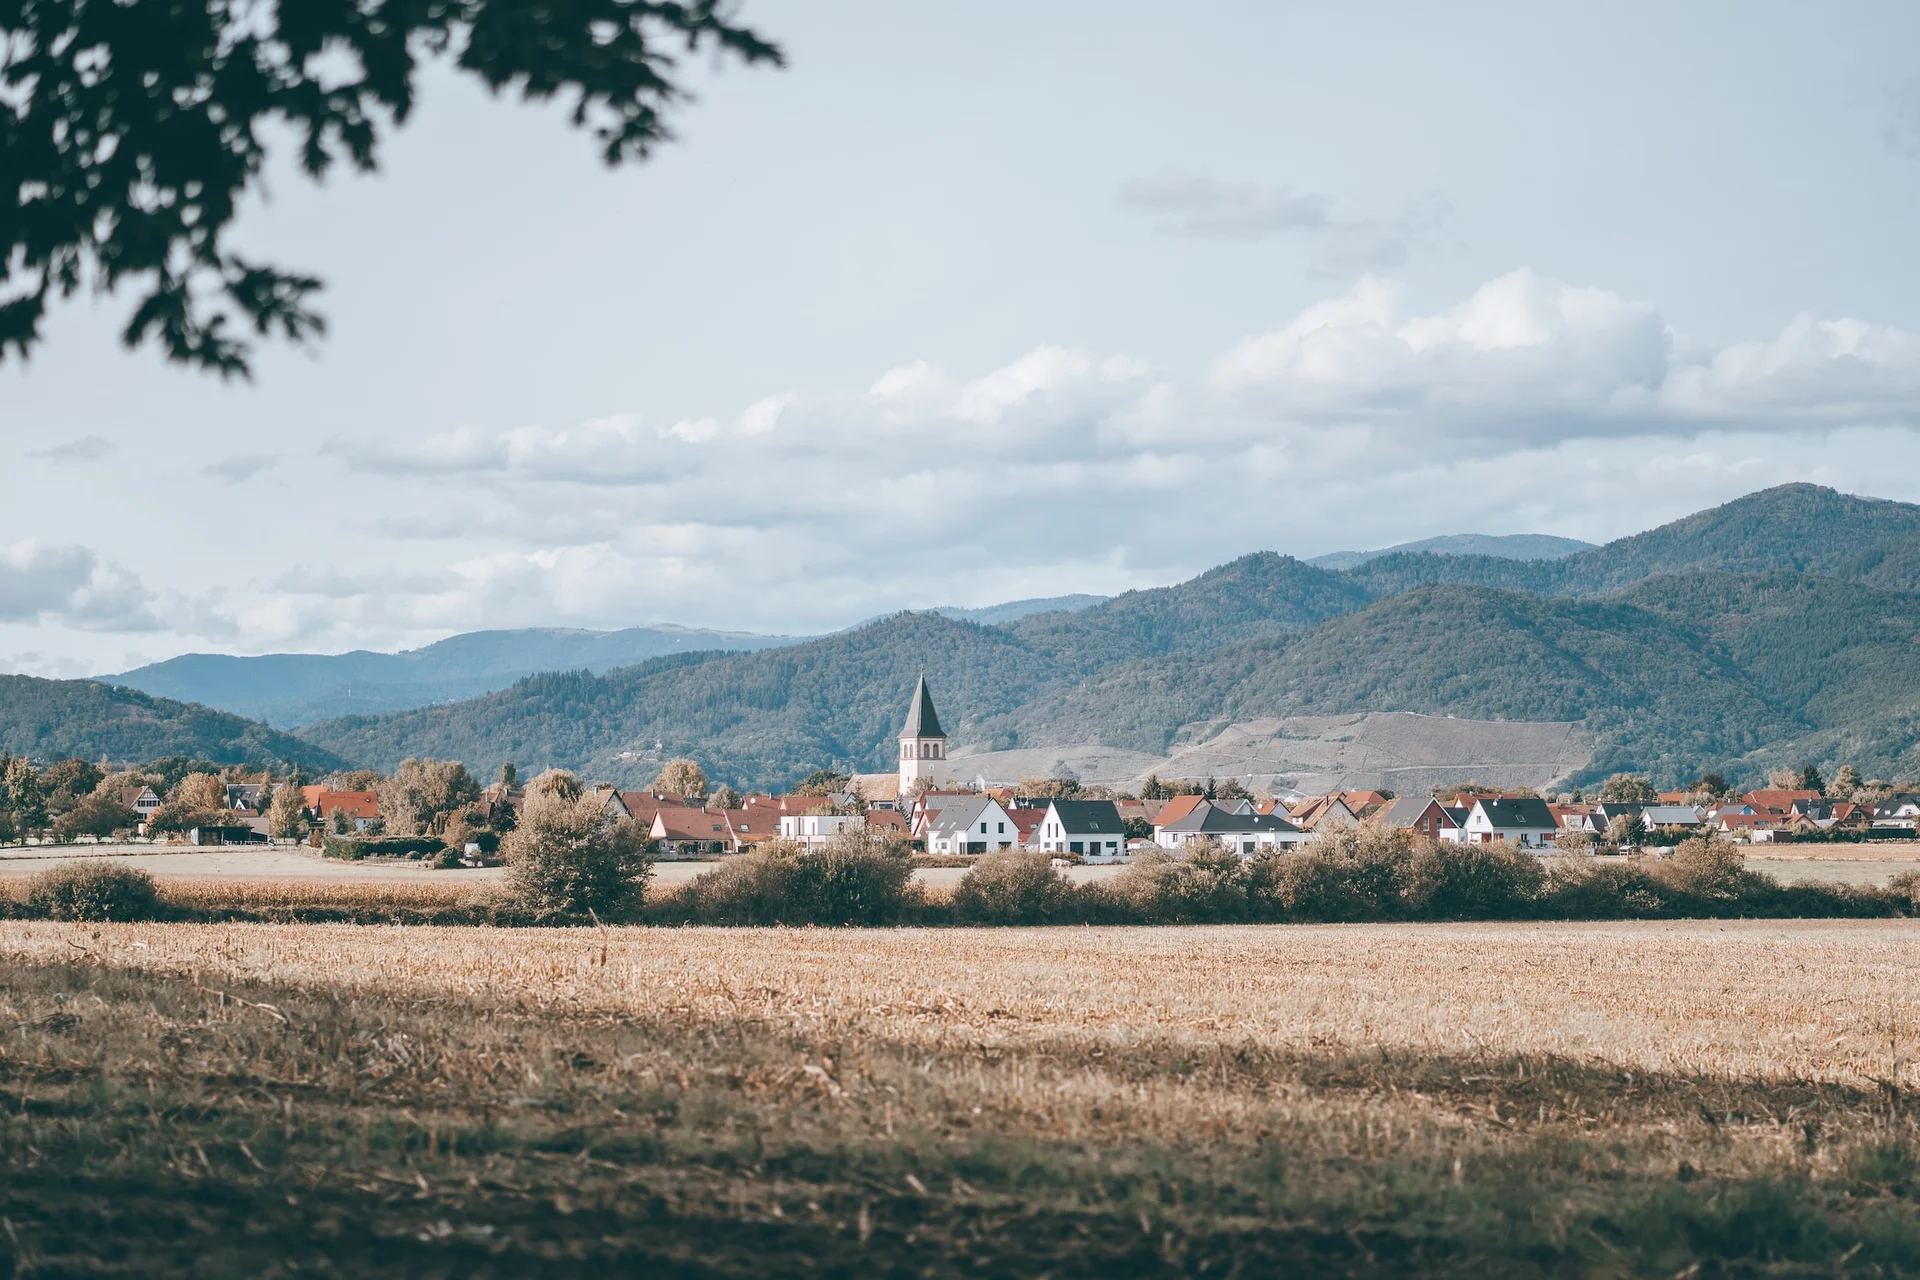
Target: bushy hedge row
(1362, 875)
(353, 848)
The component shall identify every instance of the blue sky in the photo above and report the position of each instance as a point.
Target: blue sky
(976, 302)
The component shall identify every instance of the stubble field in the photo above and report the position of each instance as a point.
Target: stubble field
(1624, 1098)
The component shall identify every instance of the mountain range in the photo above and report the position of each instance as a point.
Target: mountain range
(1508, 546)
(1778, 628)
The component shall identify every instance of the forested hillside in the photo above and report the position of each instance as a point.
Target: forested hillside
(1736, 639)
(57, 719)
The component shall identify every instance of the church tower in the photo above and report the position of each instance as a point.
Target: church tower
(923, 744)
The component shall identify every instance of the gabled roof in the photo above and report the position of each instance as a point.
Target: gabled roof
(922, 722)
(1177, 808)
(955, 816)
(671, 823)
(1516, 812)
(1094, 817)
(1408, 812)
(355, 804)
(1670, 815)
(1781, 800)
(1214, 819)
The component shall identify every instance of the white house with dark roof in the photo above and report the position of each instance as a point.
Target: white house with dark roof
(1091, 828)
(1520, 820)
(1237, 827)
(975, 825)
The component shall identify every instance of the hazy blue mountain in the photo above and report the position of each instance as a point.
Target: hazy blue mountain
(56, 719)
(289, 689)
(1800, 527)
(1014, 610)
(1504, 546)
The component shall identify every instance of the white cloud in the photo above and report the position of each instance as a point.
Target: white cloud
(71, 586)
(241, 468)
(85, 449)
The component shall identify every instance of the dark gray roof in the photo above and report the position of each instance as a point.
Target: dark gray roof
(1214, 819)
(1525, 811)
(1407, 810)
(1095, 817)
(922, 722)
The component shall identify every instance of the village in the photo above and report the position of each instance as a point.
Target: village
(924, 805)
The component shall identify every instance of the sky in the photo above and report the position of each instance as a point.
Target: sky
(978, 302)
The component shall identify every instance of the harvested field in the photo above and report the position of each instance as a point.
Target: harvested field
(1464, 1099)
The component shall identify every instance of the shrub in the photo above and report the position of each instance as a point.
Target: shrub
(566, 859)
(1711, 869)
(1205, 883)
(1355, 874)
(353, 848)
(93, 891)
(1472, 882)
(1904, 892)
(1012, 887)
(93, 816)
(859, 877)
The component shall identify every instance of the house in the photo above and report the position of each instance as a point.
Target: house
(1757, 827)
(1656, 817)
(1781, 801)
(642, 806)
(928, 806)
(611, 803)
(245, 795)
(1177, 808)
(1422, 815)
(883, 820)
(1897, 811)
(1324, 813)
(141, 800)
(810, 830)
(1577, 818)
(362, 808)
(751, 826)
(1239, 829)
(975, 825)
(1520, 820)
(1026, 820)
(1090, 828)
(691, 833)
(1604, 814)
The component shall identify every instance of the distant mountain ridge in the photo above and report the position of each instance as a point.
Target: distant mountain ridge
(55, 719)
(1692, 646)
(291, 689)
(1505, 546)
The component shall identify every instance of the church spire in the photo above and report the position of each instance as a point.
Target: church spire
(922, 720)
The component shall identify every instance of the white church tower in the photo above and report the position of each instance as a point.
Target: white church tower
(923, 744)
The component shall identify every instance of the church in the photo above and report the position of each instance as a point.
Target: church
(923, 752)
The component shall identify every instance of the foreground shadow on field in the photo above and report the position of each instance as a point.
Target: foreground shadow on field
(154, 1126)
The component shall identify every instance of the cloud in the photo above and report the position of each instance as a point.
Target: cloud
(1195, 204)
(85, 449)
(240, 468)
(71, 586)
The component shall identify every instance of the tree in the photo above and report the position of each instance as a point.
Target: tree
(1625, 788)
(822, 782)
(284, 815)
(199, 791)
(555, 782)
(1845, 782)
(65, 783)
(509, 777)
(1625, 830)
(342, 825)
(1784, 779)
(565, 858)
(1048, 788)
(1810, 779)
(133, 131)
(682, 778)
(1230, 789)
(1712, 784)
(25, 798)
(93, 816)
(724, 797)
(420, 795)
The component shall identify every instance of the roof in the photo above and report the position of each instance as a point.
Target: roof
(922, 721)
(1407, 811)
(355, 804)
(1095, 817)
(672, 823)
(1211, 819)
(891, 819)
(952, 817)
(1670, 815)
(1177, 808)
(1610, 810)
(1517, 812)
(1778, 799)
(1026, 820)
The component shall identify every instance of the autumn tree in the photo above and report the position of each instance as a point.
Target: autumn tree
(555, 782)
(1845, 782)
(1627, 788)
(724, 797)
(421, 794)
(93, 815)
(284, 817)
(682, 778)
(566, 859)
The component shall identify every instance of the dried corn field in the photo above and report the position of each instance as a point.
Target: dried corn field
(1601, 1098)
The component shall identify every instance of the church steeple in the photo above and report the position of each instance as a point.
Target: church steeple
(923, 743)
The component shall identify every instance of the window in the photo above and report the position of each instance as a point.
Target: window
(983, 828)
(1075, 846)
(1002, 831)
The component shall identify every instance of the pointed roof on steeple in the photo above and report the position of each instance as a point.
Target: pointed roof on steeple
(922, 722)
